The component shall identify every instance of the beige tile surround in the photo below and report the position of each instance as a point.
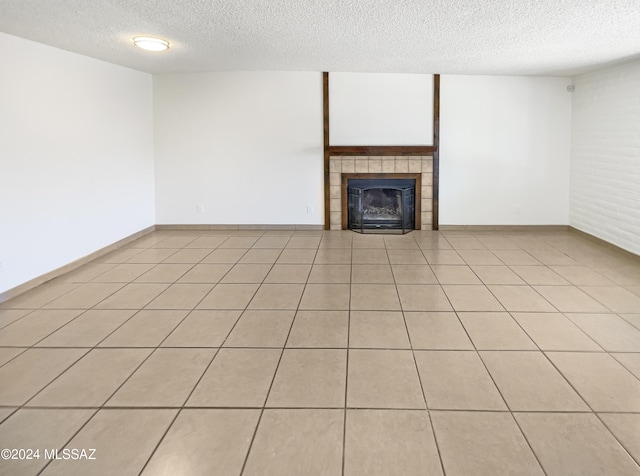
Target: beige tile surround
(375, 165)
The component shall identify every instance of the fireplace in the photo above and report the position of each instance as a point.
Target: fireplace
(346, 168)
(380, 205)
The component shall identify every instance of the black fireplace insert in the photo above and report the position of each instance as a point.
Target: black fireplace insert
(381, 205)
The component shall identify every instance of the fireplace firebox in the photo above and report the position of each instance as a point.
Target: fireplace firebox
(381, 205)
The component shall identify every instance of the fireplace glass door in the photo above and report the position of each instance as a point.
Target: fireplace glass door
(381, 205)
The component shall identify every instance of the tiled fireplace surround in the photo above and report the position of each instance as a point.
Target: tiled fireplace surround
(377, 164)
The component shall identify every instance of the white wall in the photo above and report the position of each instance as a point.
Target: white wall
(605, 155)
(245, 146)
(380, 109)
(76, 157)
(504, 145)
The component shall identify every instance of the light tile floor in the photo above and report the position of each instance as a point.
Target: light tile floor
(327, 353)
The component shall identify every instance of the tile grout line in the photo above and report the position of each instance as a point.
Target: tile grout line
(153, 452)
(346, 376)
(315, 407)
(415, 363)
(604, 423)
(479, 357)
(582, 331)
(29, 311)
(273, 378)
(511, 412)
(612, 355)
(592, 411)
(504, 400)
(70, 439)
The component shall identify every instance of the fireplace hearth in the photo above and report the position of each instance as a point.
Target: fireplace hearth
(381, 205)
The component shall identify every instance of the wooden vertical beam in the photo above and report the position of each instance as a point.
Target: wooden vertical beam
(325, 112)
(436, 154)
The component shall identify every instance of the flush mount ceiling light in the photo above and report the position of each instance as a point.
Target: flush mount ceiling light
(150, 44)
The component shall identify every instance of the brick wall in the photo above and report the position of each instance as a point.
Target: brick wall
(605, 155)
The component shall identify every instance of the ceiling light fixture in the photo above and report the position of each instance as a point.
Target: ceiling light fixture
(150, 44)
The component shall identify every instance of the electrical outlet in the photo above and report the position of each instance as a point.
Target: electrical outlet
(200, 208)
(518, 210)
(309, 209)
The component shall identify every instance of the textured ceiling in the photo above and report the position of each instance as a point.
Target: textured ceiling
(517, 37)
